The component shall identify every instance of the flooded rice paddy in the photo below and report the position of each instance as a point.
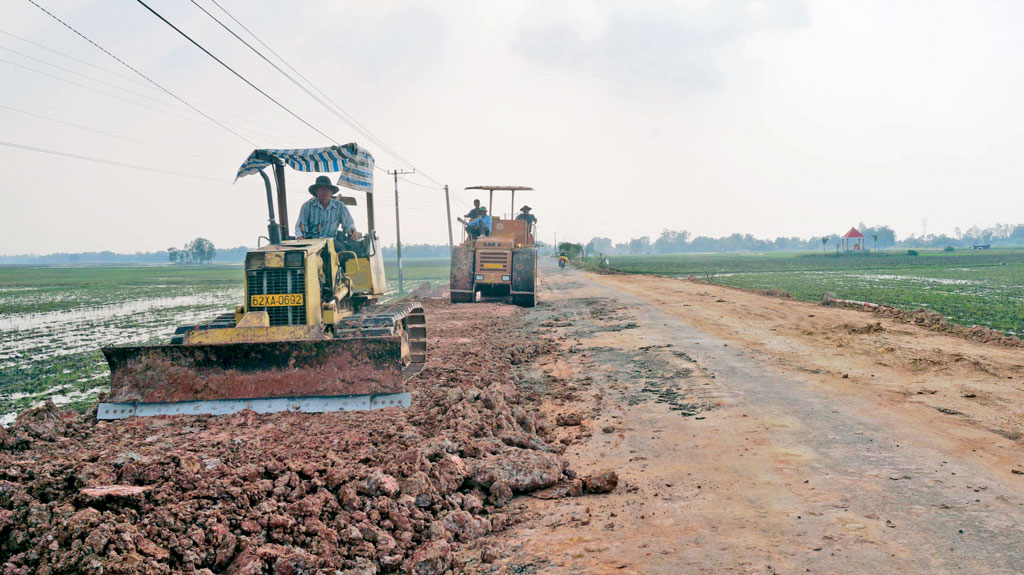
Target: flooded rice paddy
(54, 319)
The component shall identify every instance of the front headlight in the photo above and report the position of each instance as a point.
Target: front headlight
(479, 276)
(506, 278)
(253, 260)
(293, 259)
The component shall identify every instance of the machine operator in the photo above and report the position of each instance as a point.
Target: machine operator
(321, 216)
(527, 217)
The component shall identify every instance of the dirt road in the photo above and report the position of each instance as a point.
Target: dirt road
(749, 434)
(759, 435)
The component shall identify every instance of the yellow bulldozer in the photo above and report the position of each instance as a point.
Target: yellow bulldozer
(500, 265)
(310, 336)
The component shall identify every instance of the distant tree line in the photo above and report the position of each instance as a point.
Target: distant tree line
(198, 251)
(417, 251)
(232, 255)
(997, 235)
(571, 250)
(670, 241)
(876, 237)
(191, 253)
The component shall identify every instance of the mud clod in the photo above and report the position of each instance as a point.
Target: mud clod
(362, 492)
(569, 419)
(601, 482)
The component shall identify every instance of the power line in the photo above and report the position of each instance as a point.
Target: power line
(153, 82)
(111, 162)
(144, 143)
(180, 117)
(389, 202)
(406, 180)
(105, 83)
(460, 201)
(116, 97)
(150, 80)
(122, 76)
(232, 70)
(350, 121)
(150, 86)
(275, 66)
(337, 110)
(266, 134)
(137, 141)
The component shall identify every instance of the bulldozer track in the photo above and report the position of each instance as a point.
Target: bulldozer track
(390, 320)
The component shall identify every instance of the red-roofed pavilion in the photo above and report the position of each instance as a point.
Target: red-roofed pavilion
(853, 241)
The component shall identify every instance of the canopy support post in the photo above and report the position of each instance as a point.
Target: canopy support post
(282, 200)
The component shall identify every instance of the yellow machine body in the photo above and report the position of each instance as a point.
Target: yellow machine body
(499, 265)
(309, 335)
(299, 289)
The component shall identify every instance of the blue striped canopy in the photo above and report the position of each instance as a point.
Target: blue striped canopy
(354, 163)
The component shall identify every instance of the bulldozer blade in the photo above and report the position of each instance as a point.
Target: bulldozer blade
(256, 370)
(266, 405)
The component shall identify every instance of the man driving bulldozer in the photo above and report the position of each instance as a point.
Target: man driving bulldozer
(321, 216)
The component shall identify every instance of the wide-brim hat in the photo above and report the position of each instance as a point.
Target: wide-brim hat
(482, 209)
(525, 209)
(323, 181)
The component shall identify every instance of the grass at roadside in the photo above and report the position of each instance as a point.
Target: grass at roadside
(415, 272)
(970, 288)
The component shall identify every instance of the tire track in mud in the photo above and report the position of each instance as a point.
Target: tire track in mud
(619, 400)
(656, 373)
(780, 476)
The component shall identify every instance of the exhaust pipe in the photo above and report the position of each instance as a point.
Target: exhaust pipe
(273, 228)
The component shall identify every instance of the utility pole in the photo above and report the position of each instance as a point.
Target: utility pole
(448, 206)
(398, 230)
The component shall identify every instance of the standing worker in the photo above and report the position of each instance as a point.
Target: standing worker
(527, 217)
(321, 216)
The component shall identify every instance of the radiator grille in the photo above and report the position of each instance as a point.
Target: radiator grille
(276, 281)
(493, 258)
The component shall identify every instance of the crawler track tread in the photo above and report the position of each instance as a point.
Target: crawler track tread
(389, 320)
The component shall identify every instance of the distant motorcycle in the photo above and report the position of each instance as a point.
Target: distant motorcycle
(562, 260)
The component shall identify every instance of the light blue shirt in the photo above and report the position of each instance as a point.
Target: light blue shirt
(316, 221)
(483, 222)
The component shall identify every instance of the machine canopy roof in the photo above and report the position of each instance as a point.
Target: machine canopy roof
(354, 162)
(500, 188)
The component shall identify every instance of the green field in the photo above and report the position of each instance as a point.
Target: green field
(433, 271)
(970, 288)
(53, 320)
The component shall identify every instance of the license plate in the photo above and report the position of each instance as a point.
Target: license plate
(494, 266)
(275, 300)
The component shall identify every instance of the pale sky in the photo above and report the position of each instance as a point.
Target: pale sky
(770, 118)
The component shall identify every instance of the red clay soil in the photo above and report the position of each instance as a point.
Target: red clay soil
(935, 321)
(364, 492)
(301, 369)
(926, 318)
